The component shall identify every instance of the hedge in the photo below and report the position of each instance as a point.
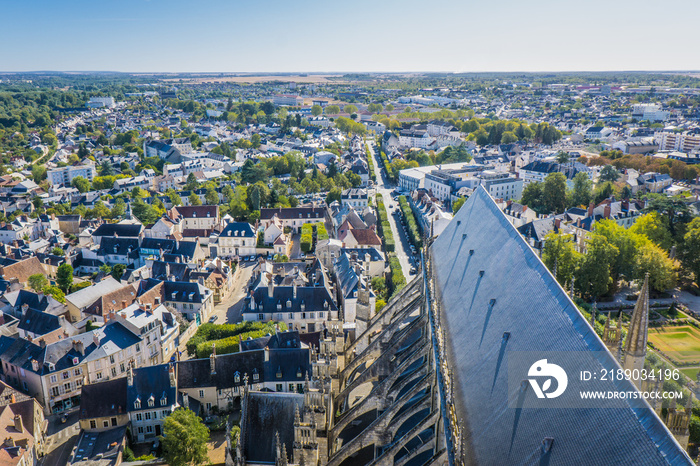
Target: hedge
(208, 333)
(307, 242)
(372, 176)
(396, 279)
(321, 232)
(410, 218)
(384, 226)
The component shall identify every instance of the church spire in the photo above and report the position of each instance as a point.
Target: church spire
(636, 342)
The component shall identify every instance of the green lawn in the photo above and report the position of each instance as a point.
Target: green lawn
(681, 344)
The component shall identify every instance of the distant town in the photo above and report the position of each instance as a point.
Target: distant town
(329, 269)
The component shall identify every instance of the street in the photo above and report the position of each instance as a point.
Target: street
(60, 438)
(229, 309)
(384, 188)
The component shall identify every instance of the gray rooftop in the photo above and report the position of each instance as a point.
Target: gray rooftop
(539, 316)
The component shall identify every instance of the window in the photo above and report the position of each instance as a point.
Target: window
(79, 383)
(140, 430)
(98, 376)
(279, 387)
(148, 416)
(111, 359)
(256, 376)
(55, 391)
(54, 379)
(208, 406)
(114, 372)
(121, 367)
(164, 401)
(105, 423)
(155, 415)
(291, 387)
(261, 317)
(149, 429)
(77, 371)
(151, 402)
(201, 393)
(114, 422)
(164, 413)
(66, 387)
(93, 424)
(320, 315)
(65, 375)
(138, 347)
(291, 316)
(237, 377)
(139, 417)
(137, 404)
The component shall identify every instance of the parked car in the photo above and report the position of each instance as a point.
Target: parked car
(213, 319)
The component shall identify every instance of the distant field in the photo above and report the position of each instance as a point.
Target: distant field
(691, 373)
(312, 78)
(680, 344)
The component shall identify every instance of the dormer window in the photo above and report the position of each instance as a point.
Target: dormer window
(325, 305)
(303, 306)
(256, 376)
(164, 400)
(279, 372)
(137, 403)
(289, 304)
(237, 377)
(279, 306)
(299, 373)
(151, 401)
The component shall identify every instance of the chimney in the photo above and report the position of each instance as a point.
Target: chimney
(35, 365)
(557, 223)
(294, 290)
(606, 211)
(42, 343)
(591, 206)
(130, 375)
(123, 303)
(267, 354)
(270, 286)
(96, 339)
(79, 347)
(18, 424)
(167, 271)
(171, 374)
(212, 359)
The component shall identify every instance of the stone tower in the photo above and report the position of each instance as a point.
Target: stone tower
(678, 421)
(636, 341)
(612, 333)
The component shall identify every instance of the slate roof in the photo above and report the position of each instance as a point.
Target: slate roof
(119, 229)
(313, 298)
(151, 381)
(119, 246)
(539, 316)
(266, 413)
(87, 296)
(39, 323)
(291, 213)
(103, 399)
(240, 229)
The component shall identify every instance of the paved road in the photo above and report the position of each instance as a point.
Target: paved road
(229, 310)
(61, 438)
(384, 187)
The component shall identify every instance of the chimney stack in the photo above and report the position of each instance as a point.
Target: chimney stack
(212, 359)
(270, 286)
(591, 206)
(130, 375)
(606, 211)
(19, 427)
(171, 374)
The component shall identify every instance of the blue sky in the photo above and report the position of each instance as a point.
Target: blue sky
(378, 35)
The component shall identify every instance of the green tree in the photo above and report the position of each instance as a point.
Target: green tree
(532, 195)
(174, 197)
(609, 173)
(554, 192)
(316, 110)
(211, 196)
(64, 277)
(593, 277)
(37, 282)
(81, 184)
(118, 209)
(653, 260)
(456, 205)
(332, 110)
(583, 190)
(350, 109)
(191, 184)
(559, 253)
(106, 169)
(690, 250)
(653, 226)
(389, 108)
(184, 439)
(622, 264)
(508, 137)
(117, 271)
(333, 195)
(58, 251)
(194, 199)
(562, 157)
